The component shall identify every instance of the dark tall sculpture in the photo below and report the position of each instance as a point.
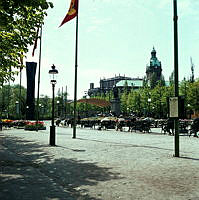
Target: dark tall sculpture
(115, 102)
(31, 68)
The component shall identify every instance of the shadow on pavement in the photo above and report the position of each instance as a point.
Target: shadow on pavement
(28, 172)
(127, 145)
(189, 158)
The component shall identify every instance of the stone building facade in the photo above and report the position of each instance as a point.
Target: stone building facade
(107, 85)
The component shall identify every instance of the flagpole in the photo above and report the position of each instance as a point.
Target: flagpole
(37, 119)
(20, 103)
(75, 85)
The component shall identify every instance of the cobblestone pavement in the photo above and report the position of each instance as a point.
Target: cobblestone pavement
(97, 165)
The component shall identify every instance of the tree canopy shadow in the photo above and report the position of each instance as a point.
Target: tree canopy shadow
(27, 171)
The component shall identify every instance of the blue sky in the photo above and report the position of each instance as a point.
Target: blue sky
(116, 37)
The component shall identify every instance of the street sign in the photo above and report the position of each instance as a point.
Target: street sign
(173, 107)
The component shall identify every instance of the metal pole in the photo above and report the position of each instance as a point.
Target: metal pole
(176, 90)
(20, 93)
(2, 100)
(62, 103)
(76, 65)
(39, 79)
(52, 127)
(9, 94)
(66, 99)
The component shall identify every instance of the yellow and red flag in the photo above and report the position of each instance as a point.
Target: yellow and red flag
(72, 12)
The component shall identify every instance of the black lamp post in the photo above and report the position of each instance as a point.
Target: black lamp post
(17, 109)
(85, 95)
(149, 101)
(58, 109)
(42, 111)
(27, 107)
(53, 81)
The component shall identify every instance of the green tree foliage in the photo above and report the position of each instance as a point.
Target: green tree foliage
(171, 78)
(183, 88)
(19, 21)
(134, 102)
(124, 100)
(45, 107)
(10, 98)
(145, 82)
(9, 95)
(193, 96)
(159, 101)
(137, 101)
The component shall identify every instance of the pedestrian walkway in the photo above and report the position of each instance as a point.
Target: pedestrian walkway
(22, 176)
(97, 165)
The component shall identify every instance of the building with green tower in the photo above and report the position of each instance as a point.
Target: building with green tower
(154, 70)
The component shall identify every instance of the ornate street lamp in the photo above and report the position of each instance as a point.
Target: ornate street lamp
(53, 72)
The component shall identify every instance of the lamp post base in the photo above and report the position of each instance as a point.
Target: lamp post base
(52, 135)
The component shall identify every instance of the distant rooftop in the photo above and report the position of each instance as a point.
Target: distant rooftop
(131, 83)
(116, 77)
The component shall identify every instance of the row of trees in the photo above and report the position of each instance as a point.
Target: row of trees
(13, 103)
(154, 102)
(142, 102)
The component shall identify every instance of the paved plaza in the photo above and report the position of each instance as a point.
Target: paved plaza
(97, 165)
